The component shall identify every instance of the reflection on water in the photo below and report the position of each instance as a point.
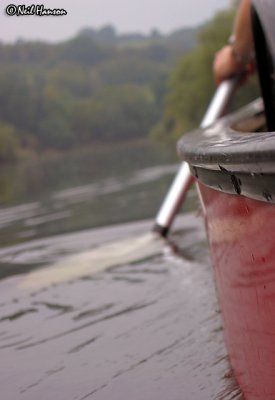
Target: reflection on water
(98, 259)
(146, 323)
(93, 309)
(84, 190)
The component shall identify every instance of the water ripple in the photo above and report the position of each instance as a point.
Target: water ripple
(119, 313)
(81, 346)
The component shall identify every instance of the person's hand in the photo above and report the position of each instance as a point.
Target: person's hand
(226, 66)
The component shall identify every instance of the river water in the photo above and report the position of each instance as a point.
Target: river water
(92, 304)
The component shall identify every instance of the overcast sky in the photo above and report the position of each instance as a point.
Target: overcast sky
(124, 15)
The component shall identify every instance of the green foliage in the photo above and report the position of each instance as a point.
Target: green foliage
(72, 79)
(130, 69)
(83, 50)
(116, 113)
(96, 87)
(9, 146)
(101, 86)
(53, 128)
(191, 85)
(17, 98)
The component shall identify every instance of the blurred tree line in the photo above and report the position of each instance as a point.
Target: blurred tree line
(97, 87)
(102, 87)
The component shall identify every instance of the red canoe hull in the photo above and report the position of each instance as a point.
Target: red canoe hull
(241, 234)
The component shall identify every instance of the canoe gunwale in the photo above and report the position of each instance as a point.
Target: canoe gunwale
(254, 186)
(240, 163)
